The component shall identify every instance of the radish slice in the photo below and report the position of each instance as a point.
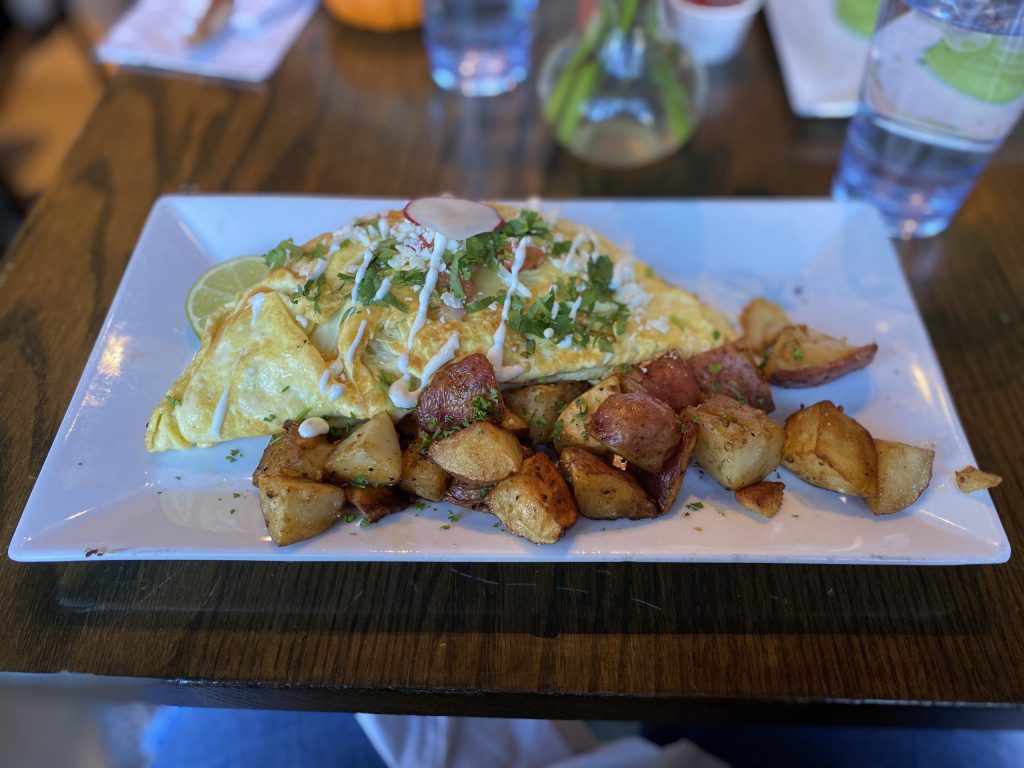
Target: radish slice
(454, 217)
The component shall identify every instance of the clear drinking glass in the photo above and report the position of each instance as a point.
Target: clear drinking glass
(944, 85)
(478, 47)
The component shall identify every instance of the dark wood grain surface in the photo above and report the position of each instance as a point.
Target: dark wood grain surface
(352, 113)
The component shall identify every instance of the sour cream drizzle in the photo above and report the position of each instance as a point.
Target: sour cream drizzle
(324, 378)
(496, 354)
(219, 413)
(436, 260)
(351, 354)
(399, 392)
(575, 307)
(318, 269)
(313, 426)
(256, 302)
(337, 390)
(385, 286)
(361, 273)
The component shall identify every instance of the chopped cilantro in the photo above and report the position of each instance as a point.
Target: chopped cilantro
(716, 334)
(270, 417)
(484, 407)
(349, 518)
(798, 354)
(286, 388)
(556, 431)
(360, 481)
(677, 322)
(695, 505)
(172, 400)
(236, 495)
(284, 252)
(714, 369)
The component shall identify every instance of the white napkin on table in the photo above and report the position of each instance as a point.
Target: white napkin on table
(154, 33)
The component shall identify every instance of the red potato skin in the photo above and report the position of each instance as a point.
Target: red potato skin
(664, 486)
(813, 376)
(728, 370)
(468, 496)
(446, 402)
(636, 424)
(670, 378)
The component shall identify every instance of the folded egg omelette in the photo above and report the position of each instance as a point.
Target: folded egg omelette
(357, 321)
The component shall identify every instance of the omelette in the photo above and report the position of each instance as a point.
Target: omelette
(357, 321)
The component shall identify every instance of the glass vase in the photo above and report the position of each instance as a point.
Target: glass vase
(621, 93)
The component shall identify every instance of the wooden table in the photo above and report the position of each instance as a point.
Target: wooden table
(352, 113)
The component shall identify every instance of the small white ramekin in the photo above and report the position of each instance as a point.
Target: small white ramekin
(712, 34)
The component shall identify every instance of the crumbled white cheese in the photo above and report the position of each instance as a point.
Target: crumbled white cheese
(549, 332)
(565, 343)
(623, 273)
(633, 296)
(659, 324)
(493, 306)
(451, 300)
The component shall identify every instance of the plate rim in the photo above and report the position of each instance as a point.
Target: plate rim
(166, 205)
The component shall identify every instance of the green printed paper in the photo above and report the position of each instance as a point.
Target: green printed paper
(859, 15)
(992, 74)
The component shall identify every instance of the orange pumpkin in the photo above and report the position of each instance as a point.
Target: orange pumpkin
(377, 15)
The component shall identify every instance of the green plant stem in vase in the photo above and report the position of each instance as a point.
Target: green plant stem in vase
(621, 93)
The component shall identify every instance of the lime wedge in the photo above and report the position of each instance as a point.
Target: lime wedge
(219, 285)
(993, 73)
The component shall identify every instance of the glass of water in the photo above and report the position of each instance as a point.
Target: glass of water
(944, 85)
(478, 47)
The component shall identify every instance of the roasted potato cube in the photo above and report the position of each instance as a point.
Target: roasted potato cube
(970, 479)
(729, 370)
(289, 455)
(738, 444)
(764, 497)
(535, 503)
(514, 423)
(602, 492)
(638, 427)
(762, 322)
(904, 471)
(295, 509)
(461, 392)
(540, 404)
(805, 358)
(663, 486)
(829, 449)
(668, 378)
(374, 502)
(421, 476)
(370, 454)
(480, 454)
(571, 425)
(469, 496)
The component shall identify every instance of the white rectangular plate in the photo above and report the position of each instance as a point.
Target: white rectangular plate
(822, 60)
(828, 265)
